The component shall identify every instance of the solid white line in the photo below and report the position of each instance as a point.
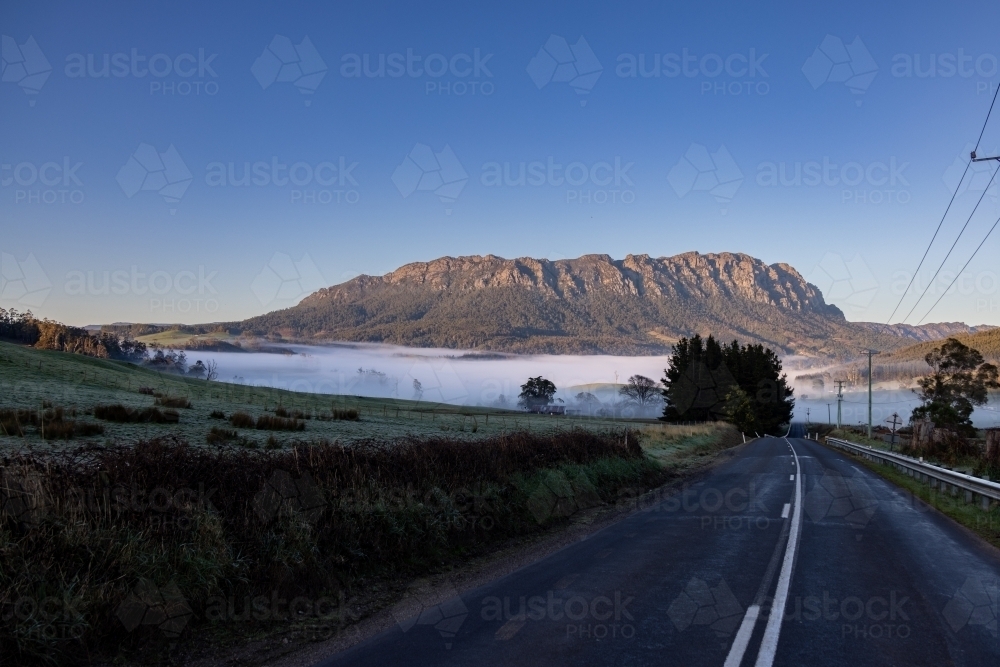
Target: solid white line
(739, 647)
(785, 510)
(769, 645)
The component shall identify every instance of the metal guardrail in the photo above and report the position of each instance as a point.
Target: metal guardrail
(938, 477)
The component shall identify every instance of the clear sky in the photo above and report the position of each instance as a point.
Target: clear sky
(378, 134)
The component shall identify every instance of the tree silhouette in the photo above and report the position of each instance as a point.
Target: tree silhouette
(961, 380)
(640, 389)
(536, 392)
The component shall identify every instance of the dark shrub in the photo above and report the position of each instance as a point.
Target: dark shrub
(269, 423)
(349, 414)
(218, 414)
(241, 420)
(121, 414)
(217, 436)
(64, 430)
(173, 401)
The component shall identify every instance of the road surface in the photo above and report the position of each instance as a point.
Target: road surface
(865, 575)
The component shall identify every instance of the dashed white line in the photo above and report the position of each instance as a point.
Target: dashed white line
(786, 510)
(769, 645)
(791, 478)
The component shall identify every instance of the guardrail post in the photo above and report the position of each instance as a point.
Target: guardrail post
(968, 496)
(984, 502)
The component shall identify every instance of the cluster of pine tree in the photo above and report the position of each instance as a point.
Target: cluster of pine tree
(742, 384)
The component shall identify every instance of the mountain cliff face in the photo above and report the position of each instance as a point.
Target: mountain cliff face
(687, 276)
(593, 304)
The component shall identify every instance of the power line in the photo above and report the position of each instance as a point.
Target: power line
(922, 259)
(945, 215)
(952, 248)
(965, 266)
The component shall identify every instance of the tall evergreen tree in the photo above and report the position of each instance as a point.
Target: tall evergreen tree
(706, 381)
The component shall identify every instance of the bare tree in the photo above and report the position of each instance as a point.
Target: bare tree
(640, 389)
(211, 370)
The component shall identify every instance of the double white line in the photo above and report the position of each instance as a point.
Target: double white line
(769, 645)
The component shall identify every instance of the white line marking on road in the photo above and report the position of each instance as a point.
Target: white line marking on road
(785, 510)
(791, 478)
(769, 645)
(735, 656)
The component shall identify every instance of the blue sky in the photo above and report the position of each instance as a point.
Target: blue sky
(383, 170)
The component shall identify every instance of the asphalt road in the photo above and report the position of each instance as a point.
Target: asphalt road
(865, 575)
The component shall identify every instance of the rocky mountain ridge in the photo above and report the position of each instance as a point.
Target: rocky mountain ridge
(591, 305)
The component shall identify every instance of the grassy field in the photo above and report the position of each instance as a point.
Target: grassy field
(32, 378)
(177, 338)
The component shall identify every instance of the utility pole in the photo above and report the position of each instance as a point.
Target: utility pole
(828, 419)
(870, 354)
(840, 399)
(896, 421)
(807, 416)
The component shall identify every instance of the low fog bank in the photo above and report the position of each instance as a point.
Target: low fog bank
(586, 383)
